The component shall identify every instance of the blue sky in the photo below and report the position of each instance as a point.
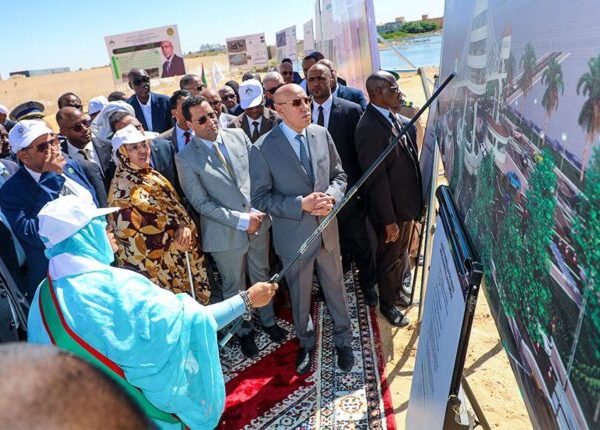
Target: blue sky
(40, 34)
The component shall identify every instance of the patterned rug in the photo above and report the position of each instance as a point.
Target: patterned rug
(266, 393)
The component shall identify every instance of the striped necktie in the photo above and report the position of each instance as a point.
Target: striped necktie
(305, 159)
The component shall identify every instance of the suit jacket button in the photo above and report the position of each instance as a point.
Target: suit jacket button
(243, 205)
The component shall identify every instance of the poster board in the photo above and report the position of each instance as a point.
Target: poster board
(309, 37)
(156, 50)
(286, 44)
(452, 289)
(247, 51)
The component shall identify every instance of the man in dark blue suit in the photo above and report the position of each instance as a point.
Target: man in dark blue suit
(44, 175)
(340, 118)
(343, 91)
(151, 109)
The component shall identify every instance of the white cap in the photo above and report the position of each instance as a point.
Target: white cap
(127, 135)
(25, 132)
(3, 110)
(97, 104)
(63, 217)
(251, 93)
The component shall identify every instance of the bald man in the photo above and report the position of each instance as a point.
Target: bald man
(297, 177)
(43, 387)
(393, 192)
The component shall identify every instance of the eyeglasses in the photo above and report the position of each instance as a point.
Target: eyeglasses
(43, 147)
(80, 126)
(141, 80)
(297, 102)
(287, 73)
(204, 118)
(272, 90)
(228, 96)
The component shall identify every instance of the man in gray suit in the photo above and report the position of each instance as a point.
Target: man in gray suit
(296, 177)
(214, 175)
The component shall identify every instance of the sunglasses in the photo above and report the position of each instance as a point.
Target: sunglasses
(80, 126)
(229, 96)
(43, 147)
(287, 73)
(297, 102)
(142, 80)
(204, 118)
(272, 90)
(80, 107)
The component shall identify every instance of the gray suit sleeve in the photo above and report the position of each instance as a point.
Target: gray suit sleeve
(261, 189)
(200, 200)
(337, 176)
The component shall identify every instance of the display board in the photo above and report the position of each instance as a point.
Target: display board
(156, 50)
(518, 132)
(285, 43)
(247, 51)
(309, 37)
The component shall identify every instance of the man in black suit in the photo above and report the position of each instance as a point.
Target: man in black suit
(340, 118)
(341, 90)
(93, 155)
(162, 158)
(173, 65)
(256, 119)
(394, 190)
(151, 109)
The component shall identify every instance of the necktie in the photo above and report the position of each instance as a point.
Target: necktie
(395, 122)
(321, 117)
(86, 153)
(222, 159)
(255, 133)
(187, 136)
(304, 159)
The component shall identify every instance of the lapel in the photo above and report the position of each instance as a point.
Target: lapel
(335, 119)
(138, 111)
(288, 153)
(233, 156)
(244, 125)
(211, 158)
(104, 154)
(154, 107)
(313, 147)
(174, 139)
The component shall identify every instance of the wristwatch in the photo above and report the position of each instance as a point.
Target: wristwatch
(248, 303)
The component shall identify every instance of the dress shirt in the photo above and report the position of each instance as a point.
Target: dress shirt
(244, 221)
(147, 111)
(291, 137)
(251, 126)
(74, 153)
(69, 187)
(181, 138)
(385, 112)
(326, 111)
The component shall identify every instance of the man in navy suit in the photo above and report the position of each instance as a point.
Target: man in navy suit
(340, 118)
(342, 91)
(44, 176)
(151, 109)
(173, 65)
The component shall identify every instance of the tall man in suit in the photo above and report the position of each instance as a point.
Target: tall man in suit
(340, 118)
(173, 65)
(341, 90)
(393, 191)
(180, 134)
(94, 156)
(44, 175)
(296, 177)
(214, 174)
(256, 119)
(151, 109)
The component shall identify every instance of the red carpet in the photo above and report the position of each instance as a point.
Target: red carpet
(266, 393)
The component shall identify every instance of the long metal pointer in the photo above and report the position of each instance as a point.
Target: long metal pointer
(349, 194)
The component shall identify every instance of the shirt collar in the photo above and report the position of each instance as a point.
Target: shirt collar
(210, 143)
(72, 149)
(289, 132)
(250, 121)
(326, 104)
(35, 175)
(383, 111)
(147, 104)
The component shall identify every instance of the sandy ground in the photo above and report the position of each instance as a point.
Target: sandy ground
(487, 369)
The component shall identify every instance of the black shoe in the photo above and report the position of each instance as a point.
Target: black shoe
(249, 348)
(345, 358)
(402, 300)
(304, 361)
(395, 317)
(370, 296)
(276, 333)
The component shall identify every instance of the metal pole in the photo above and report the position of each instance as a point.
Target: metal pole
(189, 270)
(393, 48)
(476, 408)
(277, 277)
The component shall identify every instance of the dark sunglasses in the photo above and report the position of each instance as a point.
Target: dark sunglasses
(272, 90)
(287, 73)
(229, 96)
(215, 103)
(80, 107)
(80, 126)
(204, 118)
(142, 80)
(297, 102)
(43, 147)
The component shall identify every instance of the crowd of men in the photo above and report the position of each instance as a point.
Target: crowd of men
(258, 165)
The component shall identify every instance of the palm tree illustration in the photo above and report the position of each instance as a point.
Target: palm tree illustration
(528, 61)
(553, 79)
(589, 117)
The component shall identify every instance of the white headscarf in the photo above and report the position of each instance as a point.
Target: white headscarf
(101, 126)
